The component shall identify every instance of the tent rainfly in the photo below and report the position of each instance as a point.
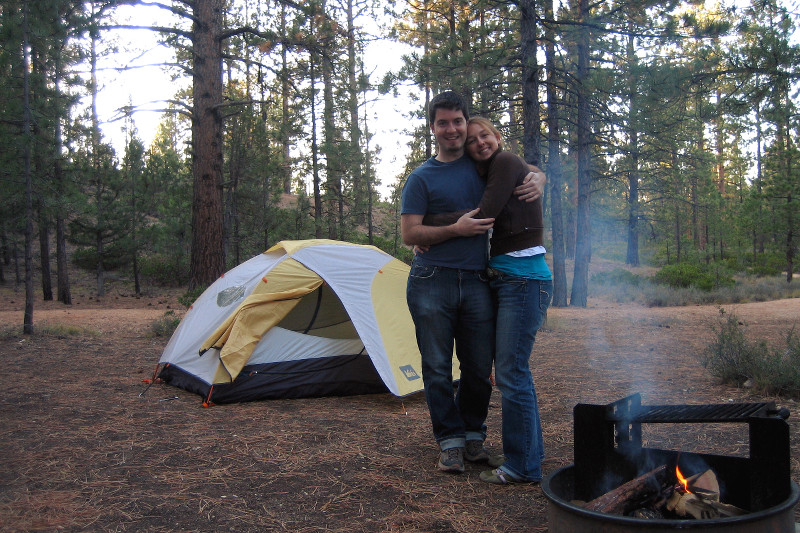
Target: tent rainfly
(303, 319)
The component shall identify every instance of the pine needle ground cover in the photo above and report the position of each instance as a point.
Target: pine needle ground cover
(85, 450)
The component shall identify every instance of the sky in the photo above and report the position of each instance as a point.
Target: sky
(147, 86)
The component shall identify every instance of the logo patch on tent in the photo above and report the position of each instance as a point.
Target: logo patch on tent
(231, 294)
(409, 372)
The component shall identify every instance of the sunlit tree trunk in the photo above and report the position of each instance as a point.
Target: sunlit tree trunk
(208, 258)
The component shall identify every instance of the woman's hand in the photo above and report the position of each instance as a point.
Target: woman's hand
(532, 187)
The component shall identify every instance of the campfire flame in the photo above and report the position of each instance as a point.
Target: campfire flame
(682, 480)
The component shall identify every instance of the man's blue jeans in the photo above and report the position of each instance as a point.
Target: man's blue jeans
(521, 308)
(450, 305)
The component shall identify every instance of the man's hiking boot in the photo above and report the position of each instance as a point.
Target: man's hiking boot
(452, 460)
(476, 453)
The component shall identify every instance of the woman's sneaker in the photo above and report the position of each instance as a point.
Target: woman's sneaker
(451, 460)
(499, 477)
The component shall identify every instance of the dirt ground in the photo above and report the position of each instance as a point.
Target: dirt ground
(85, 448)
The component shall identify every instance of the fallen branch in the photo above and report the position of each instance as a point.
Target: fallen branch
(630, 495)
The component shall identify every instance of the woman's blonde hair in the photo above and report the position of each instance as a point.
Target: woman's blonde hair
(486, 123)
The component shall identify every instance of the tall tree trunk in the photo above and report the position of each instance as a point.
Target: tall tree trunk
(333, 174)
(133, 175)
(369, 180)
(27, 325)
(583, 242)
(530, 81)
(427, 81)
(96, 168)
(44, 256)
(286, 167)
(632, 252)
(784, 140)
(207, 262)
(356, 159)
(719, 127)
(760, 236)
(41, 206)
(790, 245)
(676, 202)
(318, 228)
(62, 264)
(554, 172)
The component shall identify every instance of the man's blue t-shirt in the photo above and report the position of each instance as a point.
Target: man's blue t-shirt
(437, 187)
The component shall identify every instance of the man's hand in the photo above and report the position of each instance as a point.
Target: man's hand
(532, 187)
(414, 232)
(466, 226)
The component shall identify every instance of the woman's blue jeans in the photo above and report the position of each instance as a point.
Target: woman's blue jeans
(451, 305)
(521, 306)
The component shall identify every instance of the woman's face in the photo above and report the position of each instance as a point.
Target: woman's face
(481, 142)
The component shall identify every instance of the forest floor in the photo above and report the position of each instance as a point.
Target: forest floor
(85, 447)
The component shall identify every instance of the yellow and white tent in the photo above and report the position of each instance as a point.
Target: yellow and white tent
(305, 318)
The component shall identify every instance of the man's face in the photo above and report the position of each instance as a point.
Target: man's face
(450, 130)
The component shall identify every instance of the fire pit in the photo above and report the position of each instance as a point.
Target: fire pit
(608, 452)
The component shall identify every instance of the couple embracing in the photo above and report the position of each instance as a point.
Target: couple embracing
(490, 307)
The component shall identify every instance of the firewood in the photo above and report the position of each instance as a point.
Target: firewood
(726, 509)
(706, 483)
(630, 495)
(648, 514)
(689, 504)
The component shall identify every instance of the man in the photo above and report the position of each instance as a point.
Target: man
(448, 295)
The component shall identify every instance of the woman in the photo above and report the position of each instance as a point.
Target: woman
(521, 285)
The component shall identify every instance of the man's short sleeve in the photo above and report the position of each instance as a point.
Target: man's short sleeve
(414, 197)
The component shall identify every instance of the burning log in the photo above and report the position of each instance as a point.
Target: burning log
(633, 494)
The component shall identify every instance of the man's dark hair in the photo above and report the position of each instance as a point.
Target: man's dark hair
(447, 100)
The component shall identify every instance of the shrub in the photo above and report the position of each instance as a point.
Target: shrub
(166, 325)
(114, 258)
(731, 357)
(735, 359)
(761, 271)
(780, 373)
(678, 275)
(168, 271)
(683, 275)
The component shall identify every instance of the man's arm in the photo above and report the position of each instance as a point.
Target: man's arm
(415, 232)
(443, 219)
(533, 186)
(530, 190)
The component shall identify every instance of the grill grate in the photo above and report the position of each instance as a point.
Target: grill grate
(697, 413)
